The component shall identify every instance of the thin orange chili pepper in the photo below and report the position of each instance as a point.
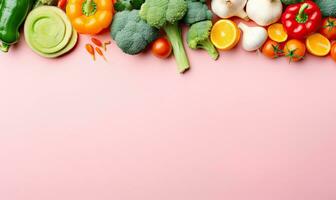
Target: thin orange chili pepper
(89, 48)
(97, 42)
(99, 51)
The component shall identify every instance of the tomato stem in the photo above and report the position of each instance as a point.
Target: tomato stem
(277, 50)
(330, 24)
(291, 54)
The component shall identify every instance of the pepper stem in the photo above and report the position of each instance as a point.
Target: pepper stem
(302, 17)
(4, 47)
(89, 7)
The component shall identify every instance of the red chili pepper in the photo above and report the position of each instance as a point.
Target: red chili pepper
(97, 42)
(89, 48)
(100, 53)
(62, 4)
(301, 19)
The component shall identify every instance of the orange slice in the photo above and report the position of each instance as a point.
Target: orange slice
(318, 45)
(277, 32)
(225, 34)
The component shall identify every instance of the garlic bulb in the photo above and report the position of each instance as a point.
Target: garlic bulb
(229, 8)
(264, 12)
(253, 37)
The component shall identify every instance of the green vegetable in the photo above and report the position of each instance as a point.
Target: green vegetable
(137, 3)
(166, 14)
(48, 32)
(121, 5)
(131, 33)
(288, 2)
(197, 11)
(198, 38)
(12, 15)
(328, 7)
(46, 3)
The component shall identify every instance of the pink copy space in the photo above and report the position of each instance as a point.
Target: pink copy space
(244, 127)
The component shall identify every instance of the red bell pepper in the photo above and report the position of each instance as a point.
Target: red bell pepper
(301, 19)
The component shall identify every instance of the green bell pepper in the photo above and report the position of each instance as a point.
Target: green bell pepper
(12, 15)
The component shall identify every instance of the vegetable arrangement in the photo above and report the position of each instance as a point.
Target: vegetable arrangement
(288, 28)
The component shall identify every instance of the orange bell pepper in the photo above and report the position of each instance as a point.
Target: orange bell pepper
(90, 16)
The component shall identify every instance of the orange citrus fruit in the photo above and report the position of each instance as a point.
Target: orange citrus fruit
(318, 45)
(225, 34)
(277, 32)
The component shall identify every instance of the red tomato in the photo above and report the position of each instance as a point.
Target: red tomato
(328, 28)
(272, 49)
(295, 50)
(62, 4)
(333, 52)
(161, 48)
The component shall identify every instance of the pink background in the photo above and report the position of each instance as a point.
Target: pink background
(243, 127)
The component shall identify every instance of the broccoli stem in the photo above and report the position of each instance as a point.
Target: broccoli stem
(209, 47)
(174, 34)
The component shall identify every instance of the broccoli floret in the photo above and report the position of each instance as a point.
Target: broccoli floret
(197, 11)
(131, 33)
(121, 5)
(137, 3)
(45, 2)
(198, 38)
(166, 14)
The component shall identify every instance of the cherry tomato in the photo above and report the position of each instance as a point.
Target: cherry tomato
(161, 48)
(328, 28)
(333, 51)
(272, 49)
(295, 50)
